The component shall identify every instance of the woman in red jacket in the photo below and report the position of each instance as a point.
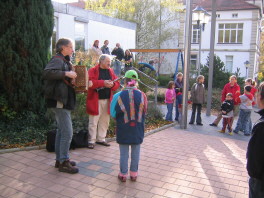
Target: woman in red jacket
(231, 87)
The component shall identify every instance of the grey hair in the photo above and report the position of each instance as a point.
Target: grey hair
(62, 42)
(103, 57)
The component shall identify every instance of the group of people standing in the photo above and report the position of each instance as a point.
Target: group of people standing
(232, 103)
(128, 107)
(95, 52)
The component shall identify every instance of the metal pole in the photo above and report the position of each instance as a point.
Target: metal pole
(200, 43)
(187, 51)
(211, 59)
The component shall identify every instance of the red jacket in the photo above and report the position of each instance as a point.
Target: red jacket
(235, 90)
(92, 96)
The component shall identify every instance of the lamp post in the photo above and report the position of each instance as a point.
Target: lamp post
(247, 64)
(202, 17)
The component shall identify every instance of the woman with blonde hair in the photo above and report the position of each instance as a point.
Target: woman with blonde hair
(95, 52)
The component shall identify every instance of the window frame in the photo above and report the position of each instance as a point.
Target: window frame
(80, 34)
(196, 34)
(227, 61)
(230, 33)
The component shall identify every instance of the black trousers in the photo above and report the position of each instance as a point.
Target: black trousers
(198, 117)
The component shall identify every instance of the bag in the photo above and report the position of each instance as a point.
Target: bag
(80, 139)
(50, 144)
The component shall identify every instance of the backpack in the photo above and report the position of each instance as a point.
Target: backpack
(79, 140)
(50, 144)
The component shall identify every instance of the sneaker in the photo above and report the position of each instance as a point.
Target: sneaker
(133, 178)
(246, 134)
(213, 124)
(235, 131)
(57, 164)
(190, 122)
(200, 124)
(230, 133)
(66, 167)
(122, 178)
(221, 131)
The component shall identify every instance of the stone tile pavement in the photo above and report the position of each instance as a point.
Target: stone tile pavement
(174, 163)
(197, 162)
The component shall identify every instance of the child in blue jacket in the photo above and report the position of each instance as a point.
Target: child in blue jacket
(128, 107)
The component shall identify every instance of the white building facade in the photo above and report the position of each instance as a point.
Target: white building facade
(237, 37)
(84, 27)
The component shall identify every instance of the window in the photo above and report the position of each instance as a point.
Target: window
(79, 36)
(195, 34)
(229, 64)
(54, 36)
(193, 61)
(217, 15)
(234, 15)
(230, 33)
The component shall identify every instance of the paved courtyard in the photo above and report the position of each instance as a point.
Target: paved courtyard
(174, 163)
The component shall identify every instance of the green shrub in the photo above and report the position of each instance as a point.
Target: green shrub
(26, 128)
(160, 97)
(164, 80)
(79, 115)
(154, 114)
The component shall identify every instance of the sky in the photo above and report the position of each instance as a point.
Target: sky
(65, 1)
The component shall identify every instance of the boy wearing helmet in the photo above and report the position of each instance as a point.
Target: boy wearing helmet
(129, 107)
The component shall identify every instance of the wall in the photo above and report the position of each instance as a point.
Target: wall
(97, 27)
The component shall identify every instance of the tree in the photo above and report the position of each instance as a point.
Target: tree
(26, 29)
(220, 77)
(153, 18)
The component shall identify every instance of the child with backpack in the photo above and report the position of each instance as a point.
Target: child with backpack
(197, 99)
(227, 109)
(244, 120)
(170, 97)
(129, 107)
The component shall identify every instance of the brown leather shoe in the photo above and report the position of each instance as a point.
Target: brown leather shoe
(66, 167)
(57, 163)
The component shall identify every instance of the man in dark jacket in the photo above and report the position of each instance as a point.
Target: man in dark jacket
(255, 154)
(119, 53)
(60, 97)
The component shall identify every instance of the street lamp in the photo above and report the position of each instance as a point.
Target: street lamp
(247, 64)
(202, 17)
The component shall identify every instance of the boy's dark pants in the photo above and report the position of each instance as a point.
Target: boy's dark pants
(199, 109)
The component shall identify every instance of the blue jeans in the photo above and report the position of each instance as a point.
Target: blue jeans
(64, 133)
(178, 101)
(117, 67)
(256, 188)
(169, 112)
(244, 121)
(124, 155)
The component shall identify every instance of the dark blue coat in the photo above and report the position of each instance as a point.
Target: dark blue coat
(129, 108)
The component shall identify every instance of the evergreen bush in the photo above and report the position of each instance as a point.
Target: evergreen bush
(26, 29)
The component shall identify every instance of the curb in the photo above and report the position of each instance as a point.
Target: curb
(108, 140)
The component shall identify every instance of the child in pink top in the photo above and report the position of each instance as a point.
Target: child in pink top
(170, 97)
